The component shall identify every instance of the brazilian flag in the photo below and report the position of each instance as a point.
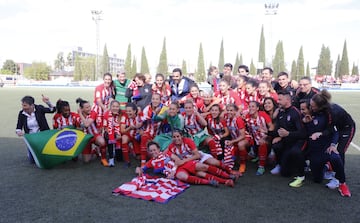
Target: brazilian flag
(52, 147)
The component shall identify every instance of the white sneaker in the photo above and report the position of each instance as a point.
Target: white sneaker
(111, 162)
(276, 169)
(328, 175)
(333, 184)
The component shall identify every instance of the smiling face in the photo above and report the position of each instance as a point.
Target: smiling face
(189, 108)
(86, 109)
(215, 111)
(304, 109)
(194, 92)
(177, 138)
(65, 111)
(115, 107)
(263, 88)
(231, 111)
(224, 87)
(153, 150)
(253, 108)
(155, 100)
(269, 105)
(159, 81)
(173, 110)
(131, 113)
(107, 81)
(27, 107)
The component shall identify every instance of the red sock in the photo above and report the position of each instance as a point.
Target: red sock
(218, 172)
(212, 177)
(213, 148)
(196, 180)
(243, 156)
(225, 167)
(103, 152)
(262, 151)
(125, 152)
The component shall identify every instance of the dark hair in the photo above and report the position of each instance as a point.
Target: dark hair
(245, 78)
(140, 76)
(306, 78)
(282, 73)
(256, 103)
(268, 68)
(228, 65)
(306, 101)
(246, 68)
(322, 100)
(150, 143)
(81, 102)
(211, 69)
(252, 82)
(233, 106)
(284, 92)
(272, 100)
(177, 70)
(28, 100)
(226, 79)
(176, 103)
(107, 74)
(132, 105)
(60, 104)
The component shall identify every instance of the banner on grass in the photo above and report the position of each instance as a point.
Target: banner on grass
(52, 147)
(160, 190)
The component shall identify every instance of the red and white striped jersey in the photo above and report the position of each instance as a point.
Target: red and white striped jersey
(60, 122)
(125, 120)
(257, 127)
(192, 125)
(215, 126)
(184, 151)
(231, 98)
(112, 123)
(165, 94)
(105, 94)
(149, 125)
(161, 164)
(235, 125)
(92, 129)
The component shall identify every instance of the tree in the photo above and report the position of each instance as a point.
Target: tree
(85, 68)
(200, 71)
(37, 71)
(183, 67)
(105, 63)
(129, 75)
(324, 64)
(133, 68)
(344, 65)
(293, 69)
(337, 67)
(307, 70)
(261, 57)
(144, 63)
(241, 59)
(221, 56)
(278, 62)
(300, 67)
(355, 70)
(252, 68)
(69, 60)
(163, 64)
(59, 63)
(236, 64)
(10, 67)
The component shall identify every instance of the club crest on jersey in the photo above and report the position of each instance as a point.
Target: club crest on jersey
(288, 118)
(316, 122)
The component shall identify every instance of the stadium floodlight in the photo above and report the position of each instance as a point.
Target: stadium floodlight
(96, 17)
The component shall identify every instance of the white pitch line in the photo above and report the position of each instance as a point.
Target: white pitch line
(355, 146)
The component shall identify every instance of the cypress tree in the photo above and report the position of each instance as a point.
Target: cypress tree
(144, 63)
(307, 70)
(337, 67)
(128, 63)
(221, 56)
(355, 70)
(163, 65)
(278, 62)
(133, 68)
(105, 64)
(252, 68)
(300, 69)
(184, 67)
(236, 64)
(200, 71)
(344, 65)
(262, 46)
(293, 69)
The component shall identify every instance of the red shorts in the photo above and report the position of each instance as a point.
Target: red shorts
(87, 150)
(189, 167)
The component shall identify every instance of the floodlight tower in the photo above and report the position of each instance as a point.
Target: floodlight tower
(271, 10)
(96, 17)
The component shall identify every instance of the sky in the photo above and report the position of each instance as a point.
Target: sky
(37, 30)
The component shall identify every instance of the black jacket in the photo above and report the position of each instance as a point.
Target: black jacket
(40, 112)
